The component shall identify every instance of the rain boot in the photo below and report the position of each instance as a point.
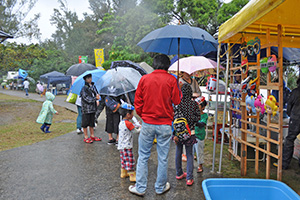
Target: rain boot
(132, 176)
(124, 173)
(43, 127)
(47, 129)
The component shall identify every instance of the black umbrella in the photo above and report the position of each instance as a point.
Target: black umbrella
(78, 69)
(128, 63)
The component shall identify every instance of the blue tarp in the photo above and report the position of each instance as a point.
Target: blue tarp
(55, 78)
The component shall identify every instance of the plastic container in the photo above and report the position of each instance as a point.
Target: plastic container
(247, 189)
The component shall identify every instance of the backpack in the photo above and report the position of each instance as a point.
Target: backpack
(182, 130)
(112, 104)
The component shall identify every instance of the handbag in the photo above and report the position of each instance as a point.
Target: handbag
(112, 104)
(71, 98)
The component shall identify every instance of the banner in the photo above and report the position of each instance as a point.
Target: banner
(99, 57)
(83, 59)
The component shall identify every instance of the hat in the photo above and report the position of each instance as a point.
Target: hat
(127, 106)
(200, 100)
(87, 76)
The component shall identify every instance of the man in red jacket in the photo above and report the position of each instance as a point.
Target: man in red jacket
(154, 97)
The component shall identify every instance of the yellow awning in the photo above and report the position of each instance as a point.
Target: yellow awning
(258, 16)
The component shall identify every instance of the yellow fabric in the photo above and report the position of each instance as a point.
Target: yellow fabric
(259, 15)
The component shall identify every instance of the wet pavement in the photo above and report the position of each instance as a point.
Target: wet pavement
(67, 168)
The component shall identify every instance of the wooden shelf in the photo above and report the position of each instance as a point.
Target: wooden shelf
(235, 156)
(236, 110)
(235, 68)
(269, 87)
(254, 67)
(235, 99)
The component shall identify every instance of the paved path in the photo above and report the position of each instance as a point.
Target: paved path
(67, 168)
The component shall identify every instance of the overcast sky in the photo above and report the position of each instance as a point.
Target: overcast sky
(45, 8)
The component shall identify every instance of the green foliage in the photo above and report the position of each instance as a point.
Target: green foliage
(13, 19)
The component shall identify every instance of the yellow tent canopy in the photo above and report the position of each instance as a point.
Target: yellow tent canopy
(258, 16)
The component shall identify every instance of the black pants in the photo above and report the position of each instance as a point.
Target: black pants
(288, 146)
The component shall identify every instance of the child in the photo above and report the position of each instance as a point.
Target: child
(189, 110)
(126, 129)
(200, 133)
(89, 102)
(46, 114)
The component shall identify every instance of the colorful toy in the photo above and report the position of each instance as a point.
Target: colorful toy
(244, 84)
(264, 65)
(253, 46)
(252, 86)
(250, 104)
(245, 66)
(270, 105)
(272, 63)
(211, 83)
(244, 49)
(259, 105)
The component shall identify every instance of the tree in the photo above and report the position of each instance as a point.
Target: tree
(13, 15)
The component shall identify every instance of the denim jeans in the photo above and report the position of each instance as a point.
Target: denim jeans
(189, 163)
(79, 117)
(163, 136)
(199, 149)
(26, 90)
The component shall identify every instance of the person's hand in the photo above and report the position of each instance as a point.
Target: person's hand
(176, 139)
(97, 102)
(56, 113)
(98, 97)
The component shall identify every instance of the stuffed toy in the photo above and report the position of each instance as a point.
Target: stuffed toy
(270, 105)
(259, 105)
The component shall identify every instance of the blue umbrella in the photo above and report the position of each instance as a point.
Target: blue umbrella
(179, 39)
(191, 40)
(79, 82)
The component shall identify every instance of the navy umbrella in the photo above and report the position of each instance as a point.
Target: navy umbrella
(179, 39)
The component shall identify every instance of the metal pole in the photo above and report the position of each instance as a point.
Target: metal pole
(224, 111)
(216, 109)
(178, 61)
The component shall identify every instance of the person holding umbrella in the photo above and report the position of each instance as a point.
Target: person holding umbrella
(89, 102)
(155, 95)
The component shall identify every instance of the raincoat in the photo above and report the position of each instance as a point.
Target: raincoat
(47, 111)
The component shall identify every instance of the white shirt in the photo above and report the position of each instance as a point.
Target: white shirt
(125, 135)
(26, 84)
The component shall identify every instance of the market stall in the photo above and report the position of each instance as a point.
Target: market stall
(261, 24)
(55, 78)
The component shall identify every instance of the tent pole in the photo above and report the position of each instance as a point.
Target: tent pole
(216, 109)
(178, 61)
(224, 111)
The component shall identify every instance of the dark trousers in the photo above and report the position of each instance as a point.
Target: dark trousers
(288, 146)
(190, 161)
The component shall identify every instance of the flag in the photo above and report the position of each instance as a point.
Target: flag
(83, 59)
(99, 57)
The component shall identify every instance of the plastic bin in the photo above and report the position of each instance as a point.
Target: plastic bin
(247, 189)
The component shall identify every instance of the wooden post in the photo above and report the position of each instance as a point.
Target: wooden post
(257, 119)
(243, 134)
(280, 135)
(268, 162)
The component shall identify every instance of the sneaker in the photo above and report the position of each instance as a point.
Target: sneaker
(133, 190)
(112, 141)
(167, 188)
(78, 131)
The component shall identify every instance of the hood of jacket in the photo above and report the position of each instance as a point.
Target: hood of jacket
(186, 92)
(50, 96)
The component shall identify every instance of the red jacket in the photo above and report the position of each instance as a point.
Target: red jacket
(154, 97)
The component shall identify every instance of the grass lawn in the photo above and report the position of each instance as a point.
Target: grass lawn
(18, 126)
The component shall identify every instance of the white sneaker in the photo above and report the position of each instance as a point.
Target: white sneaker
(167, 188)
(133, 190)
(78, 130)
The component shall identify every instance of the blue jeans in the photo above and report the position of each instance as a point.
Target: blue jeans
(189, 163)
(79, 117)
(26, 90)
(163, 136)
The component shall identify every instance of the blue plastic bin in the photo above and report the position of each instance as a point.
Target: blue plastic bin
(247, 189)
